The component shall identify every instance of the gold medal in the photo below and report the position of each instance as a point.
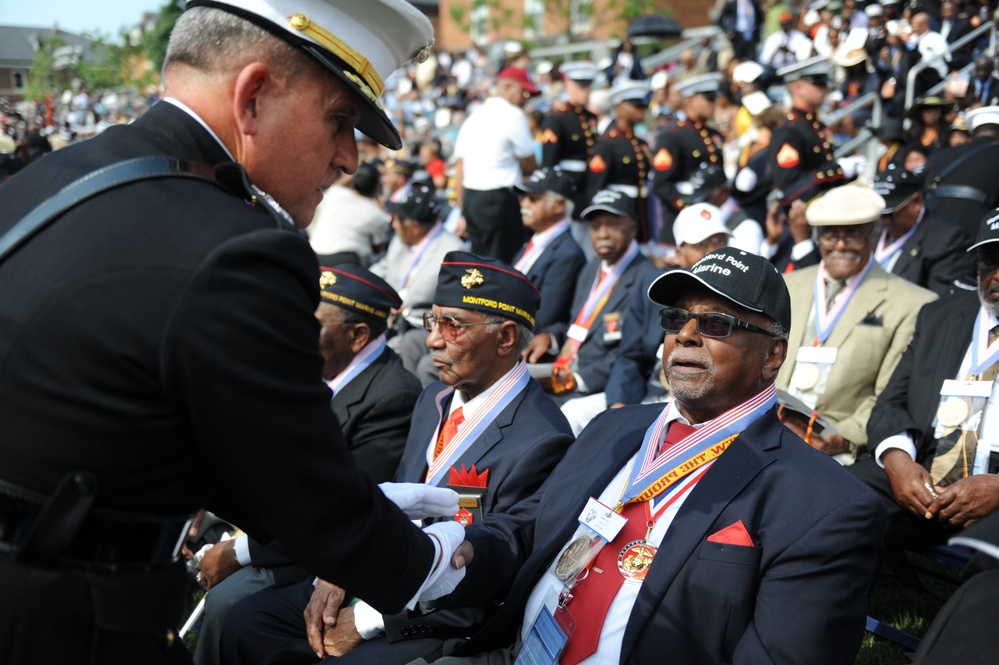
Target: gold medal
(952, 412)
(806, 376)
(573, 559)
(635, 559)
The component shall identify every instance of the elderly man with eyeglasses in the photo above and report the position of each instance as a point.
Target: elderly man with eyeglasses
(487, 425)
(852, 321)
(701, 528)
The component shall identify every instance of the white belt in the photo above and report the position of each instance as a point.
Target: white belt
(576, 165)
(630, 190)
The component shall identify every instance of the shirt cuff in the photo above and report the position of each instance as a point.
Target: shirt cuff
(801, 249)
(241, 547)
(368, 621)
(901, 441)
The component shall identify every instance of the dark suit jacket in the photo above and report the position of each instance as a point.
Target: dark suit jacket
(909, 402)
(934, 256)
(192, 346)
(554, 273)
(640, 341)
(596, 355)
(519, 448)
(798, 596)
(729, 13)
(374, 410)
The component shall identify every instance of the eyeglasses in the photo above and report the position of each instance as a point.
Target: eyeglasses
(709, 324)
(852, 235)
(448, 325)
(718, 240)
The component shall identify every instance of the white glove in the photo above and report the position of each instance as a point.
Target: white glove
(684, 188)
(421, 501)
(746, 179)
(443, 578)
(852, 165)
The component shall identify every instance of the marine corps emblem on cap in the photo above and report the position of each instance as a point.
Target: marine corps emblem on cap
(327, 278)
(472, 278)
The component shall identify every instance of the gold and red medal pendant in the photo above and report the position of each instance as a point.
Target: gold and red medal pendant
(635, 559)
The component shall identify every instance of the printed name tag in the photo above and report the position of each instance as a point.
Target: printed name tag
(577, 332)
(605, 522)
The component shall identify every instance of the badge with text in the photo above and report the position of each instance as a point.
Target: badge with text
(810, 376)
(598, 525)
(548, 636)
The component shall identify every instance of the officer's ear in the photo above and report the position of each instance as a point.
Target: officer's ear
(251, 84)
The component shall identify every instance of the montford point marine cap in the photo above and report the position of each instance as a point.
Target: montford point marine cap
(814, 70)
(746, 279)
(581, 71)
(703, 182)
(895, 185)
(988, 229)
(469, 281)
(419, 203)
(847, 205)
(361, 41)
(699, 85)
(746, 72)
(520, 75)
(548, 179)
(400, 166)
(632, 92)
(352, 287)
(696, 223)
(612, 201)
(983, 115)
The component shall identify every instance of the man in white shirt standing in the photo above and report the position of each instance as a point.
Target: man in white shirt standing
(495, 151)
(935, 425)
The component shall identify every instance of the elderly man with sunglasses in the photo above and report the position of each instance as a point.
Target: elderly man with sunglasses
(705, 529)
(852, 321)
(487, 427)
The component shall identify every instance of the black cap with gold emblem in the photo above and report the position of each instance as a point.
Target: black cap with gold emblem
(469, 281)
(361, 41)
(352, 287)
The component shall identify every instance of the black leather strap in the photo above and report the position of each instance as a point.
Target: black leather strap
(966, 192)
(92, 184)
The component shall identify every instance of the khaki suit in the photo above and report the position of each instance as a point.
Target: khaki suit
(870, 337)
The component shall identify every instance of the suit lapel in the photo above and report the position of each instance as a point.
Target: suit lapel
(618, 297)
(911, 250)
(356, 389)
(866, 299)
(735, 469)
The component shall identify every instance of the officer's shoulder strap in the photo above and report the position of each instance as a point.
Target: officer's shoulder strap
(101, 180)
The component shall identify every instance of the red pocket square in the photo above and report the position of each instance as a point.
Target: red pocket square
(734, 534)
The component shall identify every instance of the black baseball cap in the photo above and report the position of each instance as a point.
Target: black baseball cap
(896, 186)
(419, 203)
(988, 230)
(547, 179)
(746, 279)
(612, 201)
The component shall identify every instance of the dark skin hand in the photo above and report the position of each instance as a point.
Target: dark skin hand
(968, 500)
(910, 484)
(830, 444)
(219, 563)
(342, 637)
(321, 614)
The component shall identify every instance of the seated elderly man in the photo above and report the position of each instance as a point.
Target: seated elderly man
(551, 259)
(373, 399)
(851, 323)
(705, 528)
(935, 428)
(585, 345)
(487, 425)
(635, 377)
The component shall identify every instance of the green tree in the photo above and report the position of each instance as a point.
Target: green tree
(155, 41)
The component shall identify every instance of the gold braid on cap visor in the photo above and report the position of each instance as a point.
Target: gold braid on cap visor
(369, 80)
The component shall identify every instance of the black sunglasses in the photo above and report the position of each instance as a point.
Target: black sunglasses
(709, 324)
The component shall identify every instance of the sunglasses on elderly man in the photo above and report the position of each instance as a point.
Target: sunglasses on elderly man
(709, 324)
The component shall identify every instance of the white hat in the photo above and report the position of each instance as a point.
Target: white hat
(746, 72)
(815, 67)
(874, 9)
(512, 47)
(361, 41)
(696, 223)
(544, 66)
(983, 115)
(582, 70)
(847, 57)
(699, 84)
(626, 90)
(659, 80)
(847, 205)
(756, 102)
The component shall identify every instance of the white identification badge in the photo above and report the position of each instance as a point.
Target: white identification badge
(577, 332)
(810, 375)
(549, 634)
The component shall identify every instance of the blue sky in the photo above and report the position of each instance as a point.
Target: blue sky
(104, 16)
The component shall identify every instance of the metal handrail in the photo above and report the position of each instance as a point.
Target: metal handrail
(910, 80)
(873, 100)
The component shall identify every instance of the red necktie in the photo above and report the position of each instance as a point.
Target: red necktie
(448, 431)
(592, 598)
